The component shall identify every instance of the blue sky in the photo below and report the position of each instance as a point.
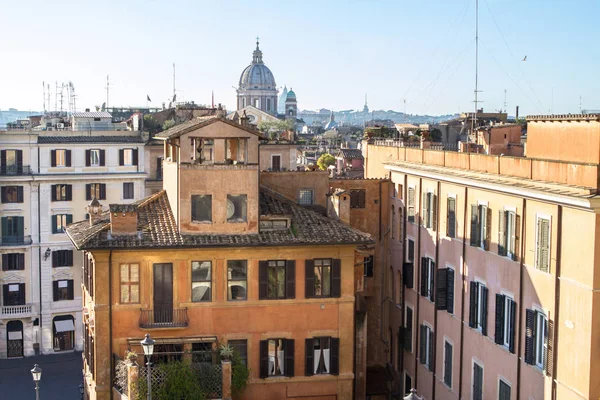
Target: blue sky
(330, 52)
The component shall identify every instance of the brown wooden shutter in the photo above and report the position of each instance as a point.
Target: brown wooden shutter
(336, 277)
(517, 237)
(431, 342)
(484, 310)
(511, 331)
(102, 158)
(549, 349)
(69, 192)
(289, 357)
(499, 320)
(88, 158)
(334, 356)
(488, 229)
(408, 329)
(135, 156)
(290, 279)
(309, 278)
(88, 191)
(408, 274)
(121, 156)
(473, 304)
(529, 336)
(431, 274)
(502, 232)
(309, 357)
(474, 225)
(434, 208)
(264, 358)
(424, 277)
(451, 218)
(53, 158)
(263, 279)
(68, 158)
(450, 291)
(102, 191)
(54, 224)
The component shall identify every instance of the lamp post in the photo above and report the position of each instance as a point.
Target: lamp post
(36, 373)
(148, 346)
(81, 390)
(413, 395)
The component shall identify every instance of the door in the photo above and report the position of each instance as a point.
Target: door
(163, 293)
(276, 163)
(14, 330)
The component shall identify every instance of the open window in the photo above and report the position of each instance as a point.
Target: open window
(202, 208)
(237, 208)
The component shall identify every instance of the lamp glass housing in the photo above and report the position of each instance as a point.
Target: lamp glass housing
(148, 345)
(36, 372)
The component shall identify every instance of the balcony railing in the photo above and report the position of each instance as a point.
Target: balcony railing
(164, 318)
(15, 170)
(21, 311)
(15, 240)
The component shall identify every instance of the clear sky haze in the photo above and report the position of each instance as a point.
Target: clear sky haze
(331, 52)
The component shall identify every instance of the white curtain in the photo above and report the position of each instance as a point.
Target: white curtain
(271, 365)
(326, 358)
(317, 358)
(281, 360)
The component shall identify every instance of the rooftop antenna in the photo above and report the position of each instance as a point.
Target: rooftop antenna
(56, 97)
(48, 87)
(476, 62)
(44, 96)
(213, 99)
(107, 90)
(580, 105)
(505, 100)
(62, 88)
(173, 81)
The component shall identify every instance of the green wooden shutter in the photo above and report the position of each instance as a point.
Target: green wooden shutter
(431, 343)
(263, 279)
(424, 277)
(334, 356)
(499, 320)
(408, 329)
(529, 336)
(511, 337)
(484, 310)
(69, 219)
(88, 191)
(441, 298)
(474, 225)
(450, 291)
(54, 225)
(4, 227)
(309, 357)
(502, 232)
(309, 278)
(473, 304)
(408, 274)
(336, 277)
(290, 279)
(451, 218)
(423, 345)
(431, 273)
(448, 364)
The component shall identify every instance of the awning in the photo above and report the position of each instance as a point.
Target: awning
(15, 335)
(64, 326)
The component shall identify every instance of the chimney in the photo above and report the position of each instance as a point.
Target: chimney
(517, 114)
(94, 210)
(87, 110)
(123, 219)
(244, 120)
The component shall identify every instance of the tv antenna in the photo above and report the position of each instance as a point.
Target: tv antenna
(107, 90)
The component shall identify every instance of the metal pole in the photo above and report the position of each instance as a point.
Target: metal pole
(37, 390)
(148, 378)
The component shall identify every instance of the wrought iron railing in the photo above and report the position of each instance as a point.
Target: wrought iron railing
(15, 170)
(164, 318)
(15, 240)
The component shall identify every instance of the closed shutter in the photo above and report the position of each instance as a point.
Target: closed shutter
(264, 358)
(121, 156)
(69, 219)
(55, 259)
(53, 192)
(450, 291)
(88, 158)
(431, 273)
(55, 290)
(430, 360)
(3, 190)
(517, 237)
(290, 279)
(289, 357)
(434, 212)
(263, 279)
(70, 294)
(309, 356)
(424, 277)
(502, 232)
(408, 329)
(477, 382)
(20, 221)
(499, 320)
(19, 194)
(474, 225)
(411, 250)
(423, 345)
(102, 158)
(484, 310)
(21, 261)
(135, 156)
(441, 298)
(511, 328)
(411, 204)
(309, 278)
(334, 356)
(53, 158)
(69, 190)
(68, 158)
(3, 161)
(408, 274)
(451, 218)
(88, 191)
(362, 198)
(19, 159)
(488, 228)
(448, 364)
(69, 257)
(543, 244)
(473, 304)
(529, 336)
(54, 227)
(4, 227)
(5, 295)
(336, 277)
(21, 293)
(549, 348)
(4, 262)
(102, 191)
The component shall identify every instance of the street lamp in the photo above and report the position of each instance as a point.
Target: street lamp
(81, 390)
(36, 372)
(148, 346)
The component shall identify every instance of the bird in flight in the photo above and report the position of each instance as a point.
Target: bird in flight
(524, 58)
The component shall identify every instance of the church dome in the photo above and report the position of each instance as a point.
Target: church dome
(257, 75)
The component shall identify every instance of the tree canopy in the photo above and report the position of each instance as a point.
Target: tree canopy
(273, 129)
(325, 161)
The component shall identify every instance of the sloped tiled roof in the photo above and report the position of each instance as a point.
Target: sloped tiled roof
(90, 139)
(198, 123)
(92, 114)
(159, 229)
(351, 153)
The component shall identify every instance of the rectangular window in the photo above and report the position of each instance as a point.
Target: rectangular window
(130, 283)
(411, 204)
(202, 208)
(63, 290)
(426, 344)
(542, 245)
(276, 357)
(241, 348)
(408, 326)
(427, 277)
(505, 322)
(62, 258)
(60, 222)
(61, 158)
(410, 250)
(451, 218)
(11, 162)
(237, 208)
(12, 194)
(508, 236)
(478, 307)
(13, 262)
(305, 197)
(128, 157)
(323, 278)
(540, 339)
(481, 222)
(127, 190)
(93, 158)
(201, 281)
(13, 294)
(275, 162)
(13, 229)
(277, 279)
(448, 364)
(445, 290)
(322, 356)
(62, 193)
(407, 383)
(503, 390)
(202, 353)
(358, 198)
(477, 382)
(429, 217)
(97, 190)
(236, 279)
(368, 266)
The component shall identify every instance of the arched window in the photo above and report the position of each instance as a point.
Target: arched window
(14, 339)
(64, 332)
(393, 225)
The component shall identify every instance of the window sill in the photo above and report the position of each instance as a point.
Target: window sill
(202, 222)
(237, 222)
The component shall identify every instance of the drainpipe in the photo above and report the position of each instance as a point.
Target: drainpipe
(417, 262)
(437, 267)
(40, 261)
(556, 300)
(520, 304)
(462, 297)
(110, 342)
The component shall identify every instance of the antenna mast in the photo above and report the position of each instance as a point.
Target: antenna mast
(173, 81)
(580, 105)
(56, 97)
(107, 90)
(505, 100)
(44, 96)
(476, 60)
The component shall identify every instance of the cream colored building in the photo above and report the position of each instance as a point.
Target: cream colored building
(47, 178)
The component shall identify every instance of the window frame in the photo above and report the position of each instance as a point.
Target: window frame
(328, 341)
(62, 218)
(455, 225)
(129, 283)
(277, 362)
(61, 189)
(61, 154)
(507, 320)
(540, 337)
(18, 189)
(480, 365)
(98, 162)
(407, 390)
(236, 344)
(273, 269)
(128, 191)
(538, 218)
(13, 261)
(62, 293)
(209, 280)
(358, 198)
(409, 332)
(501, 381)
(408, 247)
(449, 342)
(428, 344)
(301, 197)
(483, 233)
(192, 208)
(238, 216)
(231, 280)
(126, 152)
(330, 266)
(480, 308)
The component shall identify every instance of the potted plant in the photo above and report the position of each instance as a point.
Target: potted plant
(131, 356)
(226, 352)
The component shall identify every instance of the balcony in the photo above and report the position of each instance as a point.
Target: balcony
(20, 311)
(164, 318)
(15, 240)
(15, 170)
